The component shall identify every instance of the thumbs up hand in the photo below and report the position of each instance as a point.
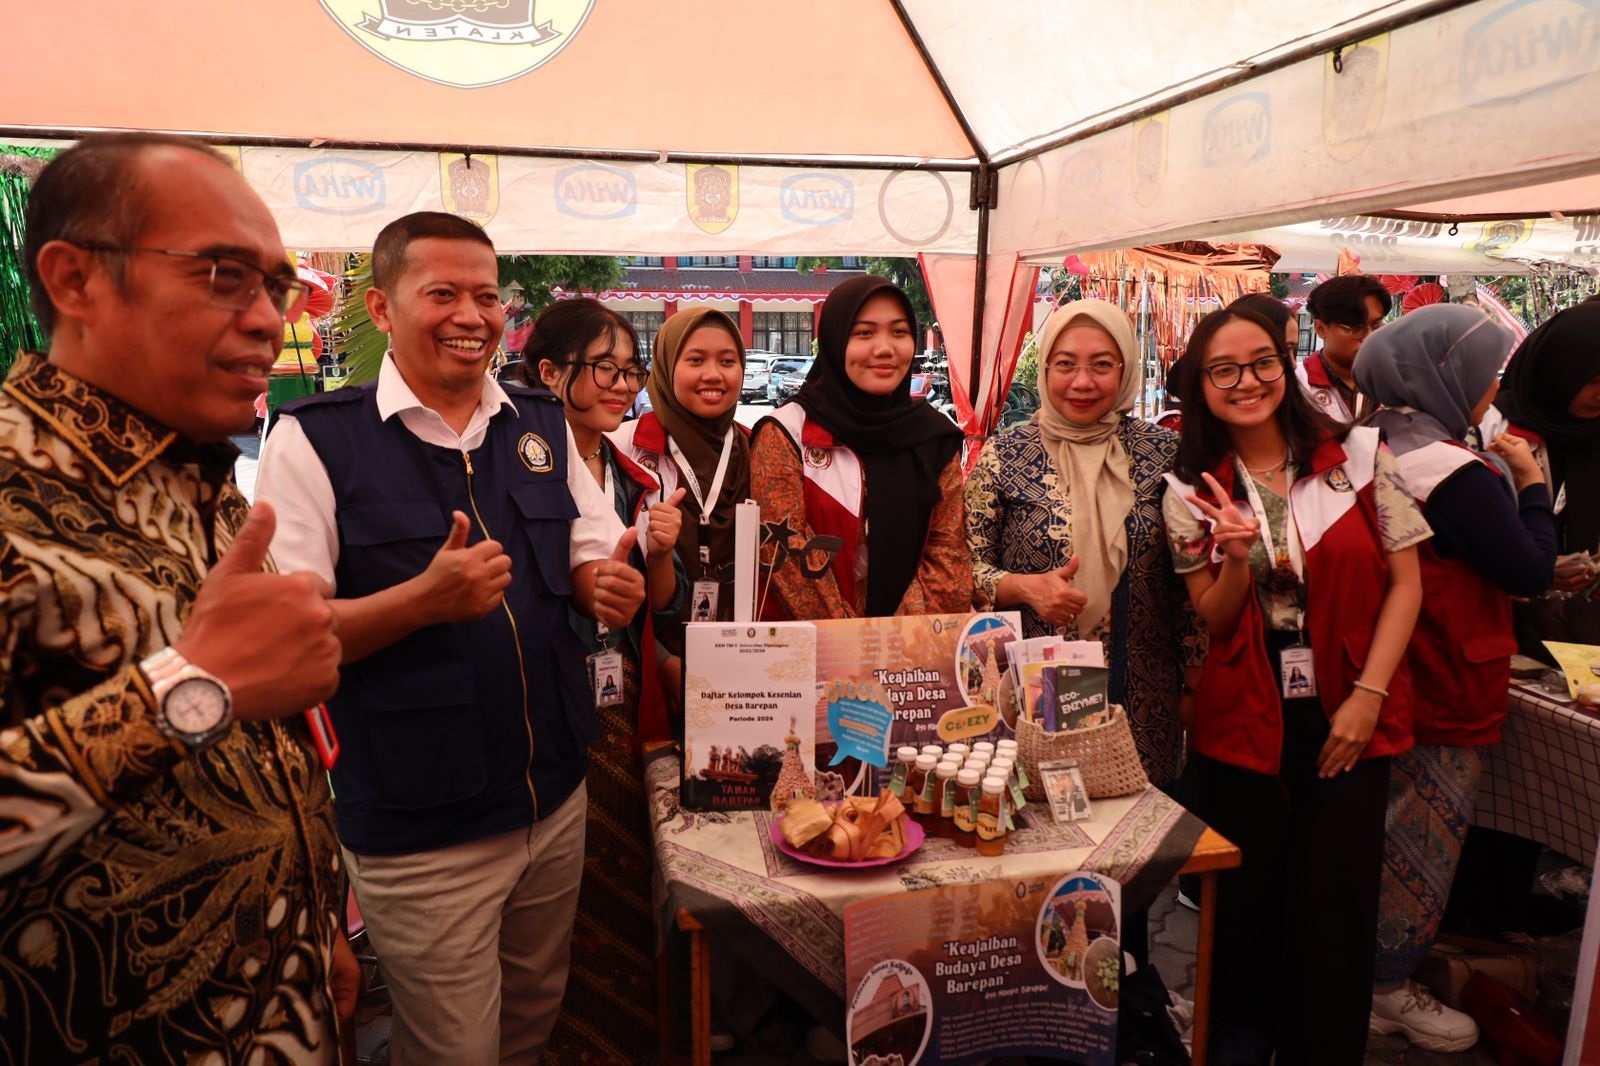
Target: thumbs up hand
(1053, 596)
(462, 583)
(618, 587)
(666, 521)
(269, 637)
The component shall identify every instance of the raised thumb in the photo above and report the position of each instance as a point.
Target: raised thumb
(248, 551)
(676, 498)
(619, 554)
(459, 528)
(1066, 573)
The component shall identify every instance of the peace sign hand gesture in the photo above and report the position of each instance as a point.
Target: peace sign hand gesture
(1230, 530)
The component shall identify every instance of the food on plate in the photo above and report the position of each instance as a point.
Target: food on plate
(805, 820)
(859, 829)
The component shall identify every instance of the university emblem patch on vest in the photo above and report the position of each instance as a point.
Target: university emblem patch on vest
(535, 453)
(1322, 397)
(1338, 480)
(649, 461)
(820, 458)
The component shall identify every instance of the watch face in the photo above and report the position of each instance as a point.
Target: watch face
(195, 706)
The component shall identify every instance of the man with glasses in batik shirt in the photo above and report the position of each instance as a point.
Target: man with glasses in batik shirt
(170, 884)
(1344, 310)
(456, 521)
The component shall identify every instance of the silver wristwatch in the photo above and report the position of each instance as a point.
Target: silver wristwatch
(193, 707)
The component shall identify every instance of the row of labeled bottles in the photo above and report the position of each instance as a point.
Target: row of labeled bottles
(962, 793)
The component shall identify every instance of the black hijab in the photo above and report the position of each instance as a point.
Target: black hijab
(904, 444)
(1552, 364)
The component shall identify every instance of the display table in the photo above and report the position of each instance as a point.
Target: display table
(1542, 781)
(719, 874)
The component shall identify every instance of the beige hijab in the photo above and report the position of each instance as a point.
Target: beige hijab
(1090, 461)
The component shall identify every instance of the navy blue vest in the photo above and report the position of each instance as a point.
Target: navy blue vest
(437, 728)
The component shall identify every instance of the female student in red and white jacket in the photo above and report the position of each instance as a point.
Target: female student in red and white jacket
(856, 459)
(1298, 543)
(1434, 374)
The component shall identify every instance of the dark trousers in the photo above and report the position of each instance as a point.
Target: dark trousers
(1297, 922)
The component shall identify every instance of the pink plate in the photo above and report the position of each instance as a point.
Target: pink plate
(914, 838)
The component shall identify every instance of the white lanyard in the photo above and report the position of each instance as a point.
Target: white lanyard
(1291, 532)
(693, 482)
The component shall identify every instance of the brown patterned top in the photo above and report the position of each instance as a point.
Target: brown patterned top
(943, 584)
(154, 907)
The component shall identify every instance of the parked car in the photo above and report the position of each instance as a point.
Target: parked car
(785, 378)
(757, 371)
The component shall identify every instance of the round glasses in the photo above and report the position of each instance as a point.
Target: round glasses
(1267, 369)
(1100, 368)
(1357, 333)
(606, 374)
(234, 282)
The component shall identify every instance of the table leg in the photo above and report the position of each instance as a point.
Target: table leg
(700, 998)
(1202, 967)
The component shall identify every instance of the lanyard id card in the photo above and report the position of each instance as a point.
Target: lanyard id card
(1299, 673)
(605, 672)
(703, 601)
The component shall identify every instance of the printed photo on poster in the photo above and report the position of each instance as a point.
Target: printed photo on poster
(1077, 937)
(889, 1020)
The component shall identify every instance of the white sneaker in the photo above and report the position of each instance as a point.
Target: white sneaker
(1411, 1011)
(1185, 901)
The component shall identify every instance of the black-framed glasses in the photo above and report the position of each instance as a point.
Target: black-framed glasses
(235, 283)
(1267, 369)
(606, 374)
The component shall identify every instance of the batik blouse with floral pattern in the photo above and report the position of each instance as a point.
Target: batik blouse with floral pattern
(1019, 521)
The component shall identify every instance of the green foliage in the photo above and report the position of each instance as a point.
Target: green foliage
(538, 274)
(356, 341)
(1280, 287)
(906, 273)
(18, 329)
(1027, 371)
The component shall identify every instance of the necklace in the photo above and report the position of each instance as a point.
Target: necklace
(594, 454)
(1268, 471)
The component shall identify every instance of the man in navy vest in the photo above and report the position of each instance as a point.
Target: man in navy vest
(449, 514)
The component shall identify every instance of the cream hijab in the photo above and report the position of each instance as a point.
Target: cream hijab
(1090, 461)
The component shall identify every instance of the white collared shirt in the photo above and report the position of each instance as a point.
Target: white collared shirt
(293, 479)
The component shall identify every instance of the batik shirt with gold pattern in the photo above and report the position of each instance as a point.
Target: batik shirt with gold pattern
(154, 907)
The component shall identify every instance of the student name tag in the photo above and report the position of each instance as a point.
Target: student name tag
(703, 602)
(605, 670)
(1299, 674)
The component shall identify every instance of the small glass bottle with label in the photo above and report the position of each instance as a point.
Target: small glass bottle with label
(943, 818)
(919, 786)
(904, 759)
(968, 795)
(991, 827)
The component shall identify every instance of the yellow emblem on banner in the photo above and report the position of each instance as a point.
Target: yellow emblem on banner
(712, 193)
(469, 185)
(1150, 156)
(1353, 96)
(962, 722)
(467, 43)
(1499, 235)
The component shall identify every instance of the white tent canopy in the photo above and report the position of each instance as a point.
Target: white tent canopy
(1006, 131)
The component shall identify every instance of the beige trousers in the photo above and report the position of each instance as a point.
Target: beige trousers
(474, 940)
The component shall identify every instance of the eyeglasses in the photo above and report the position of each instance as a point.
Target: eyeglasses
(1357, 333)
(606, 374)
(234, 282)
(1268, 368)
(1100, 368)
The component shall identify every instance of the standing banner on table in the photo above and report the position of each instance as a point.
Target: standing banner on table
(928, 665)
(749, 705)
(963, 973)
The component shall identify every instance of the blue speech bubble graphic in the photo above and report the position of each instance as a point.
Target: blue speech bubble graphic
(860, 729)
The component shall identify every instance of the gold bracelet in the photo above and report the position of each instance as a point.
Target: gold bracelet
(1382, 694)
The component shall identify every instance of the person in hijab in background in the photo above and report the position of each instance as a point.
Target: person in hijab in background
(1434, 372)
(689, 439)
(1550, 396)
(1064, 519)
(854, 458)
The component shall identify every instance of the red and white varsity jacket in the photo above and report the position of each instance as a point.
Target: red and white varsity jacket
(1320, 389)
(643, 441)
(834, 492)
(653, 721)
(1238, 706)
(1460, 653)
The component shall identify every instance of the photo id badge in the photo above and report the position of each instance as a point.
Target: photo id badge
(1299, 674)
(703, 602)
(605, 668)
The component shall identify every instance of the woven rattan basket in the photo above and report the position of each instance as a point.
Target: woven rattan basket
(1106, 755)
